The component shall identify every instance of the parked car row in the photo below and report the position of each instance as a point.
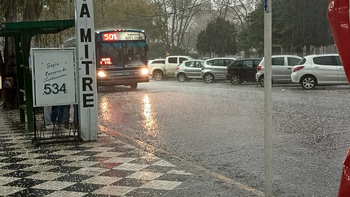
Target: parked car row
(310, 71)
(218, 69)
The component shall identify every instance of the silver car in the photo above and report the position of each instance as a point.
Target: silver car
(215, 69)
(189, 69)
(282, 66)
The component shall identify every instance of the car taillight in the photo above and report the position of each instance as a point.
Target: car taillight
(298, 68)
(202, 67)
(227, 70)
(259, 68)
(177, 68)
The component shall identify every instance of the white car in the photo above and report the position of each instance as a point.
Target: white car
(316, 70)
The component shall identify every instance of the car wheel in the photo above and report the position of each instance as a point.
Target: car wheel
(308, 82)
(133, 86)
(261, 81)
(157, 75)
(235, 79)
(181, 77)
(209, 78)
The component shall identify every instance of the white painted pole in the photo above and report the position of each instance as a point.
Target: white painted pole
(86, 69)
(268, 97)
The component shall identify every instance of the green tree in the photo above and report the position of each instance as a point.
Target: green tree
(203, 45)
(121, 14)
(219, 37)
(55, 10)
(296, 25)
(252, 35)
(307, 24)
(172, 19)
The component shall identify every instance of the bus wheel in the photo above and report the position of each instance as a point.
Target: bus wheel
(133, 86)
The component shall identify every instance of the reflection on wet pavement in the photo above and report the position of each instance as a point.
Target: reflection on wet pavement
(149, 122)
(105, 110)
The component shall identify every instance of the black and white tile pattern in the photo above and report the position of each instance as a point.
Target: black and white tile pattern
(96, 168)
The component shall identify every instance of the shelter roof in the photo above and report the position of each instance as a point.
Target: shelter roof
(32, 28)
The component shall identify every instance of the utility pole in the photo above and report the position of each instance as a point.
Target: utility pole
(268, 97)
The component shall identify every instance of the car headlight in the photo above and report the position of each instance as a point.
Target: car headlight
(144, 71)
(101, 74)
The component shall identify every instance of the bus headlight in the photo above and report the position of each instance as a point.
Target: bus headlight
(144, 71)
(101, 74)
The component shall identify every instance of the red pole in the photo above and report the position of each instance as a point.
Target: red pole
(339, 19)
(338, 16)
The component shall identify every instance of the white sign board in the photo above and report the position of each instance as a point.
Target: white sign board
(53, 77)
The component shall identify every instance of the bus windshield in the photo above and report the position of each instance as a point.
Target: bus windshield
(120, 54)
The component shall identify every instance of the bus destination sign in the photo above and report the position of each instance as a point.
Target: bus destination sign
(113, 36)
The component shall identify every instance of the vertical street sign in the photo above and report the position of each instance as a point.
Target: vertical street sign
(86, 69)
(268, 97)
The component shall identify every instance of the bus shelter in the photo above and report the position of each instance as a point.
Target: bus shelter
(22, 32)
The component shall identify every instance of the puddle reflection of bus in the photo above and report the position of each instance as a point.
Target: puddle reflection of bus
(121, 57)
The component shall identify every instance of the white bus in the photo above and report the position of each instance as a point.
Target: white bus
(121, 57)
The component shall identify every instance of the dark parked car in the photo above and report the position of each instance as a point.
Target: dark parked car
(242, 70)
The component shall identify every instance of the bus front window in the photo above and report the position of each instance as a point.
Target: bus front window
(121, 54)
(135, 51)
(109, 55)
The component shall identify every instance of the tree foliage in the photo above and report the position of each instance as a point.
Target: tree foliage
(172, 20)
(219, 37)
(252, 35)
(296, 24)
(121, 14)
(308, 24)
(236, 11)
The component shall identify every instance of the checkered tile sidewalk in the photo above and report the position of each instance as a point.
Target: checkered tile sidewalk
(108, 167)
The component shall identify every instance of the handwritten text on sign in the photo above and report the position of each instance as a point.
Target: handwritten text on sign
(53, 80)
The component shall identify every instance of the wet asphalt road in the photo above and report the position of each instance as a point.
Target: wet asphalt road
(220, 127)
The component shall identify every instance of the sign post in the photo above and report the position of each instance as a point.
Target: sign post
(268, 97)
(86, 69)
